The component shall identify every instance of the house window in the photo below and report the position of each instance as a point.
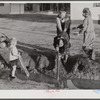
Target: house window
(55, 6)
(1, 4)
(28, 7)
(96, 4)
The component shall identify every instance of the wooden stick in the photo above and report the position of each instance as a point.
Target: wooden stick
(58, 66)
(23, 66)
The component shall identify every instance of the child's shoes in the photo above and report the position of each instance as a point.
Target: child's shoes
(10, 78)
(93, 55)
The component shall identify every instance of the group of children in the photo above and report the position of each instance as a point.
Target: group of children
(62, 40)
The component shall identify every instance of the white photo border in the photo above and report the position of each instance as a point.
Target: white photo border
(42, 94)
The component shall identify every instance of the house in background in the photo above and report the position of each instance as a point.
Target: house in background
(24, 8)
(45, 7)
(76, 11)
(11, 8)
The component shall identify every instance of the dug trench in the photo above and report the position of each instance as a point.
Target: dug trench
(27, 54)
(86, 76)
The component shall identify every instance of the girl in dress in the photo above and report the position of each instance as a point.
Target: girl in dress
(88, 32)
(87, 29)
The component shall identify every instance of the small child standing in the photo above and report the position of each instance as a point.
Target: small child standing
(13, 57)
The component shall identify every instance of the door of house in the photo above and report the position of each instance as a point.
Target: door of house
(28, 7)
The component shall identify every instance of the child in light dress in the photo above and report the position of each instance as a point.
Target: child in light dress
(13, 57)
(87, 29)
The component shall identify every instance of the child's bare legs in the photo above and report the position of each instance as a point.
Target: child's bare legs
(66, 54)
(65, 58)
(13, 71)
(93, 55)
(92, 52)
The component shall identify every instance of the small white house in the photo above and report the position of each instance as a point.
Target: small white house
(4, 8)
(11, 8)
(76, 11)
(16, 8)
(24, 8)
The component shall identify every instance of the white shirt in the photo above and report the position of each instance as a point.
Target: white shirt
(13, 53)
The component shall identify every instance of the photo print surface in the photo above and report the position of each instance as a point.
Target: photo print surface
(46, 46)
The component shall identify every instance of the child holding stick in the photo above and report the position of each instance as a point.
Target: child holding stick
(14, 56)
(63, 32)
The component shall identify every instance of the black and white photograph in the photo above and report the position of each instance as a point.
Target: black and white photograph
(45, 46)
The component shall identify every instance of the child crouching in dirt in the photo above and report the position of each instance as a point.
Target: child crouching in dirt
(61, 46)
(62, 40)
(87, 29)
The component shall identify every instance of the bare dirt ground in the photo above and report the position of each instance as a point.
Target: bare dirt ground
(30, 36)
(38, 35)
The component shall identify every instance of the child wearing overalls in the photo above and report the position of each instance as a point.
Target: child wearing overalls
(63, 32)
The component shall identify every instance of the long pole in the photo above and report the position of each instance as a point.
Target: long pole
(23, 66)
(58, 61)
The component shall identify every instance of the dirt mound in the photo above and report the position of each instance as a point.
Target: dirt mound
(86, 83)
(82, 67)
(87, 69)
